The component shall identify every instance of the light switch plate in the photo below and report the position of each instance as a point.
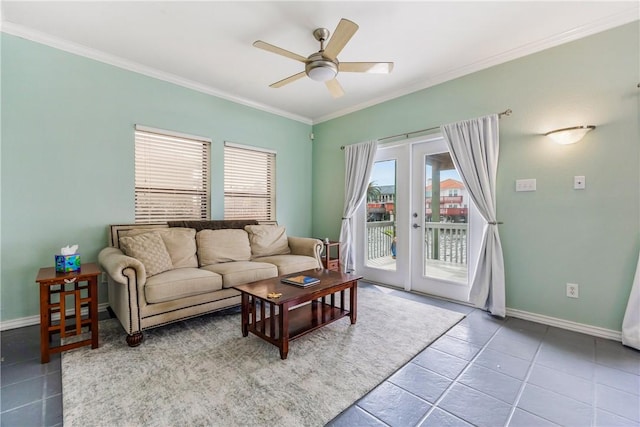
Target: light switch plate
(579, 183)
(525, 185)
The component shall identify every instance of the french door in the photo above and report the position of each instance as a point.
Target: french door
(416, 228)
(381, 249)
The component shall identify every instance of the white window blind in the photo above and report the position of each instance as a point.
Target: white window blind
(249, 183)
(171, 176)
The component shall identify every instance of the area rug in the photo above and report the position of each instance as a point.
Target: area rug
(203, 372)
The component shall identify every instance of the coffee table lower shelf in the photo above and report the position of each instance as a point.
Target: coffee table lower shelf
(302, 320)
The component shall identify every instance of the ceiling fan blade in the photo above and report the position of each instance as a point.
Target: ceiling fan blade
(341, 36)
(334, 88)
(288, 80)
(366, 67)
(275, 49)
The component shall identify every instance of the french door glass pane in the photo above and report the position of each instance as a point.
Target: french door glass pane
(446, 220)
(381, 226)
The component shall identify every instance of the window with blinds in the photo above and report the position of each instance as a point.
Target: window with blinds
(249, 183)
(171, 176)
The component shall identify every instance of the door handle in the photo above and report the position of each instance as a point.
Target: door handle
(415, 226)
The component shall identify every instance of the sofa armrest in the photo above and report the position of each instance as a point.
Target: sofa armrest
(306, 246)
(114, 262)
(126, 277)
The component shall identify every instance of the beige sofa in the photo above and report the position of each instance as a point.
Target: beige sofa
(159, 274)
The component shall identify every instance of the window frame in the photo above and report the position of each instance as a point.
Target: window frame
(185, 195)
(231, 170)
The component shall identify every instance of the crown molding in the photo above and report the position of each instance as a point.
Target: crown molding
(77, 49)
(603, 24)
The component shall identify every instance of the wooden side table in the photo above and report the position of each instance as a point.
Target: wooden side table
(85, 296)
(331, 258)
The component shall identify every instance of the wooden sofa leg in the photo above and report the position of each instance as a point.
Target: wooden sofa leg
(135, 340)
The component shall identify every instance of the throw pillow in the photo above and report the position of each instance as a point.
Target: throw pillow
(267, 240)
(216, 246)
(180, 243)
(150, 250)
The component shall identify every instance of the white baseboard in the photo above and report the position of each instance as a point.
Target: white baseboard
(533, 317)
(595, 331)
(35, 320)
(566, 324)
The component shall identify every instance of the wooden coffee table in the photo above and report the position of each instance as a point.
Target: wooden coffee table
(286, 318)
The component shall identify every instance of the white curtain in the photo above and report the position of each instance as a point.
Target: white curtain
(358, 165)
(631, 322)
(474, 148)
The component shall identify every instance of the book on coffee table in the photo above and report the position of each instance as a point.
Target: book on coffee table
(301, 280)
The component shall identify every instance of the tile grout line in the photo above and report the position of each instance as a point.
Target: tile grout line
(43, 406)
(594, 382)
(406, 364)
(27, 404)
(455, 380)
(363, 410)
(430, 410)
(525, 381)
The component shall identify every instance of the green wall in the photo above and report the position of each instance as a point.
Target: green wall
(67, 156)
(67, 163)
(556, 234)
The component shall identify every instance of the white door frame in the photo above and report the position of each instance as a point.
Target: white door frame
(418, 280)
(410, 247)
(397, 277)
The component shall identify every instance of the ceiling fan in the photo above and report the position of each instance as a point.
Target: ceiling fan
(323, 66)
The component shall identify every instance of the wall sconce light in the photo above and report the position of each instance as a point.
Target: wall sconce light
(569, 135)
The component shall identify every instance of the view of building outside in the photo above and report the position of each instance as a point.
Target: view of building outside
(446, 211)
(381, 197)
(453, 201)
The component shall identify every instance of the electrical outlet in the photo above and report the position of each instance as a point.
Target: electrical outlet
(573, 290)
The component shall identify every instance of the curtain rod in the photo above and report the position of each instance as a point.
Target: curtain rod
(506, 112)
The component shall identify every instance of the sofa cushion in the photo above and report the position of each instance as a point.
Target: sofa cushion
(238, 273)
(180, 243)
(267, 240)
(288, 264)
(150, 250)
(180, 283)
(215, 246)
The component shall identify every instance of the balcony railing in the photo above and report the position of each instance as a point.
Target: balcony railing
(451, 241)
(379, 237)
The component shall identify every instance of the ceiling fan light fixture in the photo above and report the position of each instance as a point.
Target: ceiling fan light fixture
(323, 65)
(321, 70)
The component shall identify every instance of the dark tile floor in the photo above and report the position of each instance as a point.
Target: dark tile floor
(483, 372)
(31, 392)
(490, 372)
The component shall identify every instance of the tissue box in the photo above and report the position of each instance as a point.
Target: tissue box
(67, 263)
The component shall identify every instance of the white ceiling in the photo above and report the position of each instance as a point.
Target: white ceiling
(207, 45)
